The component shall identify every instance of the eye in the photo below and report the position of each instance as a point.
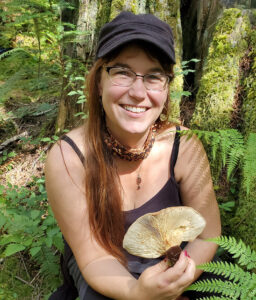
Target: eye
(154, 77)
(121, 72)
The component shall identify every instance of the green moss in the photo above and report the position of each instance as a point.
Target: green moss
(104, 8)
(215, 98)
(249, 83)
(116, 7)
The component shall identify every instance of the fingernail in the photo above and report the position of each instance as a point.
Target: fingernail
(186, 253)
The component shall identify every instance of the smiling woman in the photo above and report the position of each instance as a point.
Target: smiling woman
(126, 161)
(132, 108)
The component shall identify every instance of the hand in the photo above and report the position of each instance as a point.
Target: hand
(161, 282)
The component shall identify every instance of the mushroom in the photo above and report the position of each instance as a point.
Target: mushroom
(161, 233)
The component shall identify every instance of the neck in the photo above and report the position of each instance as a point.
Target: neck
(130, 151)
(133, 141)
(130, 140)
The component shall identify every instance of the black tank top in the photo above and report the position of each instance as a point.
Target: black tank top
(166, 197)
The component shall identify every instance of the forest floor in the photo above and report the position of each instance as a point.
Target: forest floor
(30, 110)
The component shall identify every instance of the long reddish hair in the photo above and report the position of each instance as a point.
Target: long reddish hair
(102, 184)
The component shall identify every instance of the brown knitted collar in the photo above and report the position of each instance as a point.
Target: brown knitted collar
(127, 153)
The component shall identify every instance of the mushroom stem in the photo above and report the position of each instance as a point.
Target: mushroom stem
(173, 254)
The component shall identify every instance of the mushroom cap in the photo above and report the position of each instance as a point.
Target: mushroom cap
(152, 234)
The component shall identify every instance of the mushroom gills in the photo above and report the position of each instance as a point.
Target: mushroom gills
(155, 234)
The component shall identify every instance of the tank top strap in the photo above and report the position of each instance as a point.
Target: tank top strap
(74, 146)
(175, 150)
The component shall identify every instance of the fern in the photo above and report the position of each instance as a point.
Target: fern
(9, 52)
(224, 269)
(238, 283)
(250, 162)
(226, 288)
(232, 146)
(214, 298)
(247, 257)
(228, 148)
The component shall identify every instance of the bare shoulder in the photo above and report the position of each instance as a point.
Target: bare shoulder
(191, 157)
(189, 142)
(62, 150)
(63, 166)
(167, 134)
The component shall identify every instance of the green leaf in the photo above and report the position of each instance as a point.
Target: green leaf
(9, 238)
(58, 242)
(12, 249)
(27, 242)
(52, 232)
(33, 251)
(47, 139)
(79, 114)
(34, 214)
(2, 220)
(81, 101)
(79, 78)
(72, 93)
(227, 206)
(49, 221)
(12, 154)
(48, 242)
(55, 137)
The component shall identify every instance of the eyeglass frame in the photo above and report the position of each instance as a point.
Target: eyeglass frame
(168, 77)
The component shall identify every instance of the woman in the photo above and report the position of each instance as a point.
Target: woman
(127, 160)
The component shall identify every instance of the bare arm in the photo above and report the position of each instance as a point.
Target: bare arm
(192, 171)
(101, 270)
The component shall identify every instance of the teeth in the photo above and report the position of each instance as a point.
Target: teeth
(135, 109)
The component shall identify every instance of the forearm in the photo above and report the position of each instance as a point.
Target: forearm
(201, 251)
(108, 277)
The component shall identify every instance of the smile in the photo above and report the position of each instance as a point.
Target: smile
(135, 109)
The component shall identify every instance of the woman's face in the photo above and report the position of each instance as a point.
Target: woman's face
(131, 109)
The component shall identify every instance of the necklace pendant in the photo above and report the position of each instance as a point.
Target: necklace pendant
(138, 182)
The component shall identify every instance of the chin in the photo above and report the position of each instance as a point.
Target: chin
(138, 129)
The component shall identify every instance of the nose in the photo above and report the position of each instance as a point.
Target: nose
(137, 90)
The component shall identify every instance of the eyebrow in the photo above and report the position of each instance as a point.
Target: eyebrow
(152, 70)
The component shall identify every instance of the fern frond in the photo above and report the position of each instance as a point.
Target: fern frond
(247, 257)
(249, 169)
(225, 269)
(226, 288)
(236, 152)
(5, 54)
(214, 298)
(232, 148)
(225, 144)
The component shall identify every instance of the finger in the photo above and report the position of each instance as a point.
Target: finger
(181, 263)
(158, 268)
(174, 273)
(188, 276)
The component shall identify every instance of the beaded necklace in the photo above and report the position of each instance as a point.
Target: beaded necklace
(128, 153)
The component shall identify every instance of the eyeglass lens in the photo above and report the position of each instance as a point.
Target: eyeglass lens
(126, 77)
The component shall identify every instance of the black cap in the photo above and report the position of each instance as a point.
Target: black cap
(127, 27)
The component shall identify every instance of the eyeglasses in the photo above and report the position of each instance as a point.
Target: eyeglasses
(125, 77)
